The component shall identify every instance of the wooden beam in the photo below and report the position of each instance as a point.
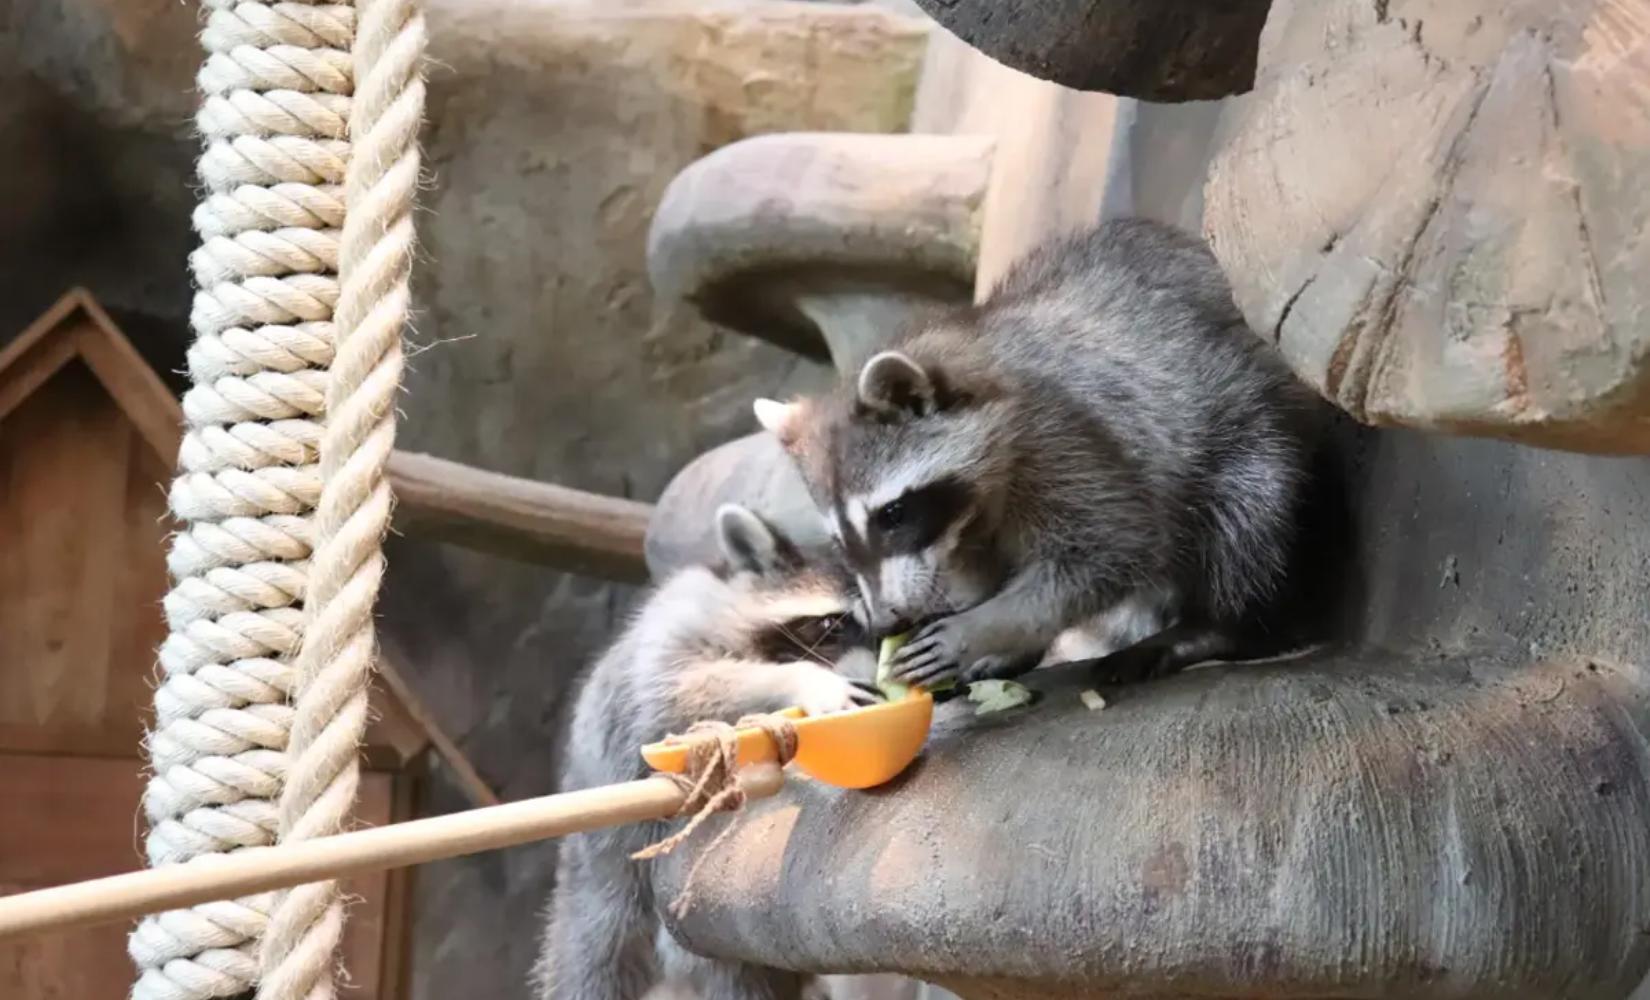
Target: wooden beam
(520, 519)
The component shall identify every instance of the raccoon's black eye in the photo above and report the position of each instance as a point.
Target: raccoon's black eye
(919, 516)
(890, 515)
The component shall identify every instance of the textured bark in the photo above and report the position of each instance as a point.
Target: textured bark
(1345, 824)
(1438, 211)
(1157, 50)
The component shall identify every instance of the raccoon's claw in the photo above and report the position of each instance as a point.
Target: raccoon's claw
(929, 658)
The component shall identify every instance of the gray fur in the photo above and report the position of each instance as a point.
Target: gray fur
(691, 653)
(1133, 458)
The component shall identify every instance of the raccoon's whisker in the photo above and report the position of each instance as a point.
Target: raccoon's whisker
(807, 650)
(832, 626)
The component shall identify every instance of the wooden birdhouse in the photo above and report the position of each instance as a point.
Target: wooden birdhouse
(88, 438)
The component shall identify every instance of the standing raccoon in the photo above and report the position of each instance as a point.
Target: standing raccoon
(760, 634)
(1101, 449)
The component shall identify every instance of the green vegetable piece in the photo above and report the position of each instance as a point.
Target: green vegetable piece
(997, 696)
(891, 689)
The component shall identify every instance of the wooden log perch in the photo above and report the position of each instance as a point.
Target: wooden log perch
(521, 519)
(1350, 825)
(1156, 50)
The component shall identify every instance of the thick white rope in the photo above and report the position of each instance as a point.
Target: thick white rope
(335, 662)
(277, 81)
(278, 84)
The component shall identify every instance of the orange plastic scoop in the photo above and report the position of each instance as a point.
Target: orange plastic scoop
(861, 748)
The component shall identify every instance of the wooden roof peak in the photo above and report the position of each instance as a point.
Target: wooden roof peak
(76, 328)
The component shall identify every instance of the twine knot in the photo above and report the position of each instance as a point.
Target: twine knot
(710, 781)
(710, 784)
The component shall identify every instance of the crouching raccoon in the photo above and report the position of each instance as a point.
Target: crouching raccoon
(770, 628)
(1102, 449)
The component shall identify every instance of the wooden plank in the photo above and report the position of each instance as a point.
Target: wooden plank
(30, 370)
(395, 955)
(369, 924)
(148, 403)
(42, 328)
(520, 519)
(65, 458)
(137, 623)
(68, 818)
(77, 324)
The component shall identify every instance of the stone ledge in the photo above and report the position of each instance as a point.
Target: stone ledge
(1350, 824)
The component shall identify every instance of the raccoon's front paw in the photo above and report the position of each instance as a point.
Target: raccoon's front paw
(933, 656)
(820, 691)
(956, 649)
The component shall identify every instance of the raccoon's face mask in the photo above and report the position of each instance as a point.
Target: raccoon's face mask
(799, 609)
(910, 481)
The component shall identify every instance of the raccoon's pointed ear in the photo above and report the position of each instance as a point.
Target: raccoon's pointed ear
(894, 385)
(782, 420)
(751, 544)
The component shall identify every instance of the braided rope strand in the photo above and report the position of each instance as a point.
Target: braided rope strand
(346, 568)
(277, 95)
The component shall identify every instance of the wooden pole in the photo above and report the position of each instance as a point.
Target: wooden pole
(259, 869)
(519, 519)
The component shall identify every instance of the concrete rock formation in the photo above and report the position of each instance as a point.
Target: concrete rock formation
(1438, 211)
(1156, 50)
(1346, 825)
(822, 243)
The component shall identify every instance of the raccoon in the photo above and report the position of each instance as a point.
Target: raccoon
(1102, 452)
(769, 629)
